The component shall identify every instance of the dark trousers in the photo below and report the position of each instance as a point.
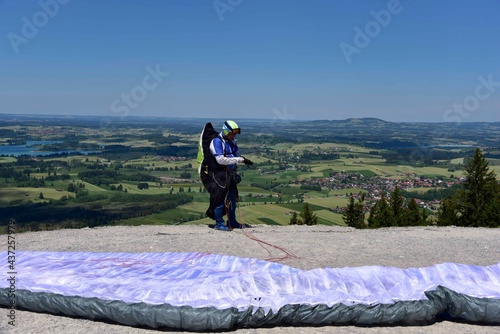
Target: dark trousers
(218, 185)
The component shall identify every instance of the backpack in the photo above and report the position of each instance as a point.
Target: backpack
(213, 176)
(205, 158)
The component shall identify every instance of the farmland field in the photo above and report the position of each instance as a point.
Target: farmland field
(147, 173)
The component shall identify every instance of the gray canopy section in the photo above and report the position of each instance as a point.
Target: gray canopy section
(201, 292)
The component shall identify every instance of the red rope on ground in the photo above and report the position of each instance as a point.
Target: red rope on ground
(262, 243)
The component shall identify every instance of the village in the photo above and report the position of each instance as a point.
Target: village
(375, 186)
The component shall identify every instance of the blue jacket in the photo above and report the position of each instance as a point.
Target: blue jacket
(225, 151)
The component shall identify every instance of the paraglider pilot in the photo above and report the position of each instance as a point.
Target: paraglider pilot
(219, 172)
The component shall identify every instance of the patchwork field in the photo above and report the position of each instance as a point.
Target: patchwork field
(24, 194)
(160, 161)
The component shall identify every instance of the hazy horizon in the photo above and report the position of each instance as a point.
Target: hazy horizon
(239, 119)
(398, 61)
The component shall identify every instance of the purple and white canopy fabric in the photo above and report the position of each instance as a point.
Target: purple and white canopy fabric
(199, 292)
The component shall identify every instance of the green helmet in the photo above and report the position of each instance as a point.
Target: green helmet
(230, 126)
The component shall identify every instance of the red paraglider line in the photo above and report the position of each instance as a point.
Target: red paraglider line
(261, 243)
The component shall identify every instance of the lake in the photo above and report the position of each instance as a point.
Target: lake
(32, 148)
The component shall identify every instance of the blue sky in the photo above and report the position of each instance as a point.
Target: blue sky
(408, 60)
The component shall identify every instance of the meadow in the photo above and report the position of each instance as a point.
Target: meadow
(152, 161)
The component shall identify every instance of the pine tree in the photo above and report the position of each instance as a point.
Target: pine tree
(386, 214)
(373, 221)
(308, 217)
(381, 214)
(359, 214)
(478, 198)
(397, 204)
(477, 203)
(413, 217)
(349, 214)
(294, 220)
(353, 215)
(448, 212)
(71, 187)
(425, 216)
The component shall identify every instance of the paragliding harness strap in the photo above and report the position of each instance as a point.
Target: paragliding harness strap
(208, 163)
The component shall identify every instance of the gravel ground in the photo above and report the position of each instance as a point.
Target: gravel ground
(312, 247)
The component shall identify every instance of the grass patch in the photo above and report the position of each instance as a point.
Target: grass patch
(251, 214)
(15, 195)
(268, 221)
(326, 217)
(328, 202)
(300, 206)
(168, 217)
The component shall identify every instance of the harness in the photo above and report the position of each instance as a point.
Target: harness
(209, 165)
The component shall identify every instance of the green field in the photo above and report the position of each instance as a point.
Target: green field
(269, 191)
(369, 167)
(23, 195)
(329, 202)
(279, 214)
(7, 159)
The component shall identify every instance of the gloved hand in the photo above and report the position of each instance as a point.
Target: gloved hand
(247, 162)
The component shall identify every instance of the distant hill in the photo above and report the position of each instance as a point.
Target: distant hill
(366, 131)
(374, 130)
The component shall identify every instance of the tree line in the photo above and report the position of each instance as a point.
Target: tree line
(387, 212)
(107, 177)
(305, 217)
(63, 213)
(475, 204)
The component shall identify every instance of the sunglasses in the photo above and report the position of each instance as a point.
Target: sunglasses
(235, 131)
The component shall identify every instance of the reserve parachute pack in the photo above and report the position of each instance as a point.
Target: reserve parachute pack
(209, 171)
(206, 137)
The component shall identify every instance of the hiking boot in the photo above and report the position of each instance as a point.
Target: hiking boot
(221, 227)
